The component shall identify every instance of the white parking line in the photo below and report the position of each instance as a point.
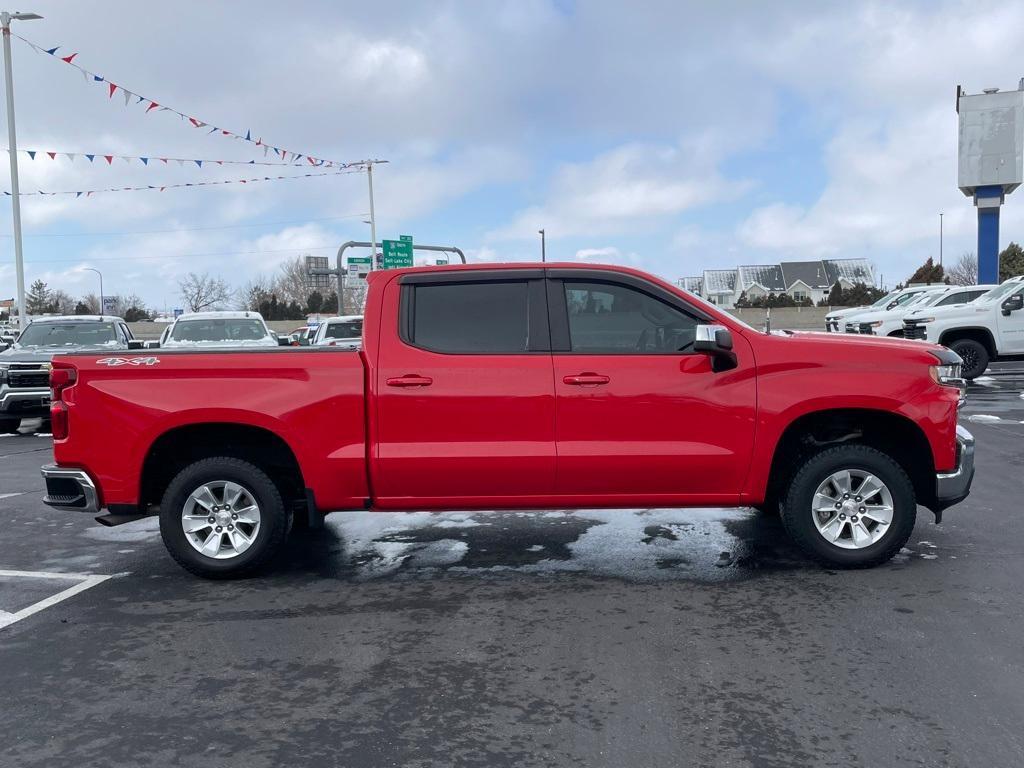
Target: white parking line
(10, 495)
(88, 580)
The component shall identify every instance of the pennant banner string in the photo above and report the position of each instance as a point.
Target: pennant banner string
(162, 187)
(153, 105)
(108, 159)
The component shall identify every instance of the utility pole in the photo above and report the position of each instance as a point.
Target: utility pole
(543, 254)
(373, 219)
(19, 264)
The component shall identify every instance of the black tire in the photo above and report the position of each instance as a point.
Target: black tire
(273, 526)
(9, 426)
(974, 355)
(797, 517)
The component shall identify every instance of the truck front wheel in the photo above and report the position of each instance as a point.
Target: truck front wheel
(222, 518)
(974, 355)
(850, 506)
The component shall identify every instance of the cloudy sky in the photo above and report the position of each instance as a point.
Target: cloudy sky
(673, 136)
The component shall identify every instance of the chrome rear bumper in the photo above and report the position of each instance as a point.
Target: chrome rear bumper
(70, 490)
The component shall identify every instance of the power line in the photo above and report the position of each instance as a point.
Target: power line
(183, 255)
(187, 229)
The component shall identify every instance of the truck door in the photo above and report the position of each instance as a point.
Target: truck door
(465, 410)
(639, 414)
(1011, 326)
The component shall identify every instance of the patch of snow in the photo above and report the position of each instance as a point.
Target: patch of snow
(929, 557)
(983, 418)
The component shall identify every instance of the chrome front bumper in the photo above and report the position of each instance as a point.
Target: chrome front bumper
(71, 490)
(953, 487)
(31, 402)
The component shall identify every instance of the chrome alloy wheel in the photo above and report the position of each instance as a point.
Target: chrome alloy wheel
(220, 519)
(852, 509)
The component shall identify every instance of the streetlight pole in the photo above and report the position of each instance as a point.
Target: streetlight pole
(940, 239)
(93, 269)
(543, 249)
(19, 265)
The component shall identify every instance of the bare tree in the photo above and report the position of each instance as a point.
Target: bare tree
(202, 292)
(965, 271)
(292, 282)
(92, 303)
(61, 302)
(255, 292)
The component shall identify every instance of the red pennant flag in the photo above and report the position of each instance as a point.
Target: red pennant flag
(152, 105)
(226, 133)
(112, 88)
(162, 188)
(195, 122)
(109, 159)
(68, 59)
(52, 155)
(164, 159)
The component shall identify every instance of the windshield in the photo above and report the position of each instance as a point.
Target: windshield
(997, 293)
(885, 299)
(350, 329)
(67, 334)
(219, 329)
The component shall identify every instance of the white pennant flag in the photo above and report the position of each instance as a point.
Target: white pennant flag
(127, 159)
(71, 156)
(127, 96)
(180, 162)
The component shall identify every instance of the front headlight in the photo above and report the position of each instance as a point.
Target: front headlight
(922, 319)
(875, 324)
(948, 373)
(3, 372)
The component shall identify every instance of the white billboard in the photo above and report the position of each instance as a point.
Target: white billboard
(991, 140)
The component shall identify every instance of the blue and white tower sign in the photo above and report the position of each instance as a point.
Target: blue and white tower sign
(991, 162)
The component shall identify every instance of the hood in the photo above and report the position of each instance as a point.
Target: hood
(969, 309)
(856, 342)
(224, 344)
(845, 312)
(45, 354)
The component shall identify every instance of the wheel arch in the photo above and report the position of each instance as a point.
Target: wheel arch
(976, 333)
(180, 446)
(891, 433)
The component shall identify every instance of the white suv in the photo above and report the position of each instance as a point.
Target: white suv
(989, 328)
(345, 331)
(889, 322)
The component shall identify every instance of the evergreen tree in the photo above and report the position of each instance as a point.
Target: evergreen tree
(1011, 262)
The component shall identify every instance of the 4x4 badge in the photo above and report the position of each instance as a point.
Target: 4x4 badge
(115, 361)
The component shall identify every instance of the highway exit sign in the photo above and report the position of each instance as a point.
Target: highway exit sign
(397, 253)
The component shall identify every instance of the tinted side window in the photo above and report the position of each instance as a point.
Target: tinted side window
(960, 298)
(605, 318)
(471, 318)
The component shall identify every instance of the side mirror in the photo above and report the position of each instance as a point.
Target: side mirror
(283, 341)
(716, 341)
(136, 344)
(1014, 303)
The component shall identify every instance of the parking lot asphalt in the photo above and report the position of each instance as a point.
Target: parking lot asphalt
(594, 638)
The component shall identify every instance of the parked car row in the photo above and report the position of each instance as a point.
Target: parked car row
(981, 323)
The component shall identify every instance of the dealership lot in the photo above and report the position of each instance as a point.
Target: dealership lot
(658, 637)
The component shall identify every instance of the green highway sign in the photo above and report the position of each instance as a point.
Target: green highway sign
(397, 253)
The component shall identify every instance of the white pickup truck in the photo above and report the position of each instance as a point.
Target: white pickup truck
(835, 321)
(889, 322)
(989, 328)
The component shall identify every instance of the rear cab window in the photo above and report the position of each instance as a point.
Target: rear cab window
(494, 315)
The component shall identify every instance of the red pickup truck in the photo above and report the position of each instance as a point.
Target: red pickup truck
(509, 387)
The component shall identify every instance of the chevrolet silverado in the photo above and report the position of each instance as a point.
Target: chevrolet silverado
(511, 387)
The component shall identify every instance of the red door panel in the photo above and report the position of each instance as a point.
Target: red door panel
(460, 426)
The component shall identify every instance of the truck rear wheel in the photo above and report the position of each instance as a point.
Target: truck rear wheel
(974, 355)
(223, 518)
(850, 506)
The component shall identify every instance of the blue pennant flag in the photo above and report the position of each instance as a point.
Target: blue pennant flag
(91, 157)
(145, 160)
(199, 163)
(52, 51)
(248, 137)
(78, 194)
(97, 78)
(31, 153)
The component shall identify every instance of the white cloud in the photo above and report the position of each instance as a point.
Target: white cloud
(625, 188)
